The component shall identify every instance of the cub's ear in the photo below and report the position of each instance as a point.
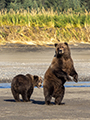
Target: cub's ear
(66, 43)
(35, 77)
(55, 44)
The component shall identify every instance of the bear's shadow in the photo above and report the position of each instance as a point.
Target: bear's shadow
(32, 101)
(43, 102)
(9, 100)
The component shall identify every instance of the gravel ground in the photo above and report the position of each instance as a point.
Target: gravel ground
(22, 59)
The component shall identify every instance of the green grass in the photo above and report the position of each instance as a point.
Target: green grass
(44, 27)
(44, 18)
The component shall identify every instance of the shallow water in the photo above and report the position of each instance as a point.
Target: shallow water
(5, 85)
(67, 84)
(79, 84)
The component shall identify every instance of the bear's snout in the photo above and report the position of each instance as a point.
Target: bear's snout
(39, 85)
(61, 51)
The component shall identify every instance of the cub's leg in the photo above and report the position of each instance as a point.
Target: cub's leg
(29, 93)
(16, 95)
(24, 96)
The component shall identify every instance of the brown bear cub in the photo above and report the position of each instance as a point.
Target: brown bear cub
(24, 85)
(58, 73)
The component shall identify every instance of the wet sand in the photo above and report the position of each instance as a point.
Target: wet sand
(75, 106)
(22, 59)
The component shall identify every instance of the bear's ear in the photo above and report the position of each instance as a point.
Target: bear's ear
(35, 77)
(66, 43)
(55, 44)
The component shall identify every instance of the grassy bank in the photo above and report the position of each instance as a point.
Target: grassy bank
(43, 27)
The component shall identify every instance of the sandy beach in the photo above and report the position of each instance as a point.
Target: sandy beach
(75, 106)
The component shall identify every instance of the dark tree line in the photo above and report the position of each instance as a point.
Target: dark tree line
(59, 5)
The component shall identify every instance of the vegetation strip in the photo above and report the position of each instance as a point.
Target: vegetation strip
(44, 27)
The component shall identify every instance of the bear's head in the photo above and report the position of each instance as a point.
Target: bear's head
(37, 81)
(62, 49)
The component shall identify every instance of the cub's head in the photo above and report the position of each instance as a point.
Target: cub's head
(62, 49)
(37, 81)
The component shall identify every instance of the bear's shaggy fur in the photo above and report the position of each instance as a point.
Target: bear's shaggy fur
(24, 85)
(63, 61)
(58, 73)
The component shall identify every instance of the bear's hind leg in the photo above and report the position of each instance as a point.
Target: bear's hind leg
(60, 96)
(16, 96)
(47, 99)
(24, 96)
(48, 95)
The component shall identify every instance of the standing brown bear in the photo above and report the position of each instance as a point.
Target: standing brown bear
(58, 73)
(24, 85)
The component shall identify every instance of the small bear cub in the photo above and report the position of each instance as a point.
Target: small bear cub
(24, 85)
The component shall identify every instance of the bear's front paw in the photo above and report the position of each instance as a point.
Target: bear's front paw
(68, 78)
(75, 78)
